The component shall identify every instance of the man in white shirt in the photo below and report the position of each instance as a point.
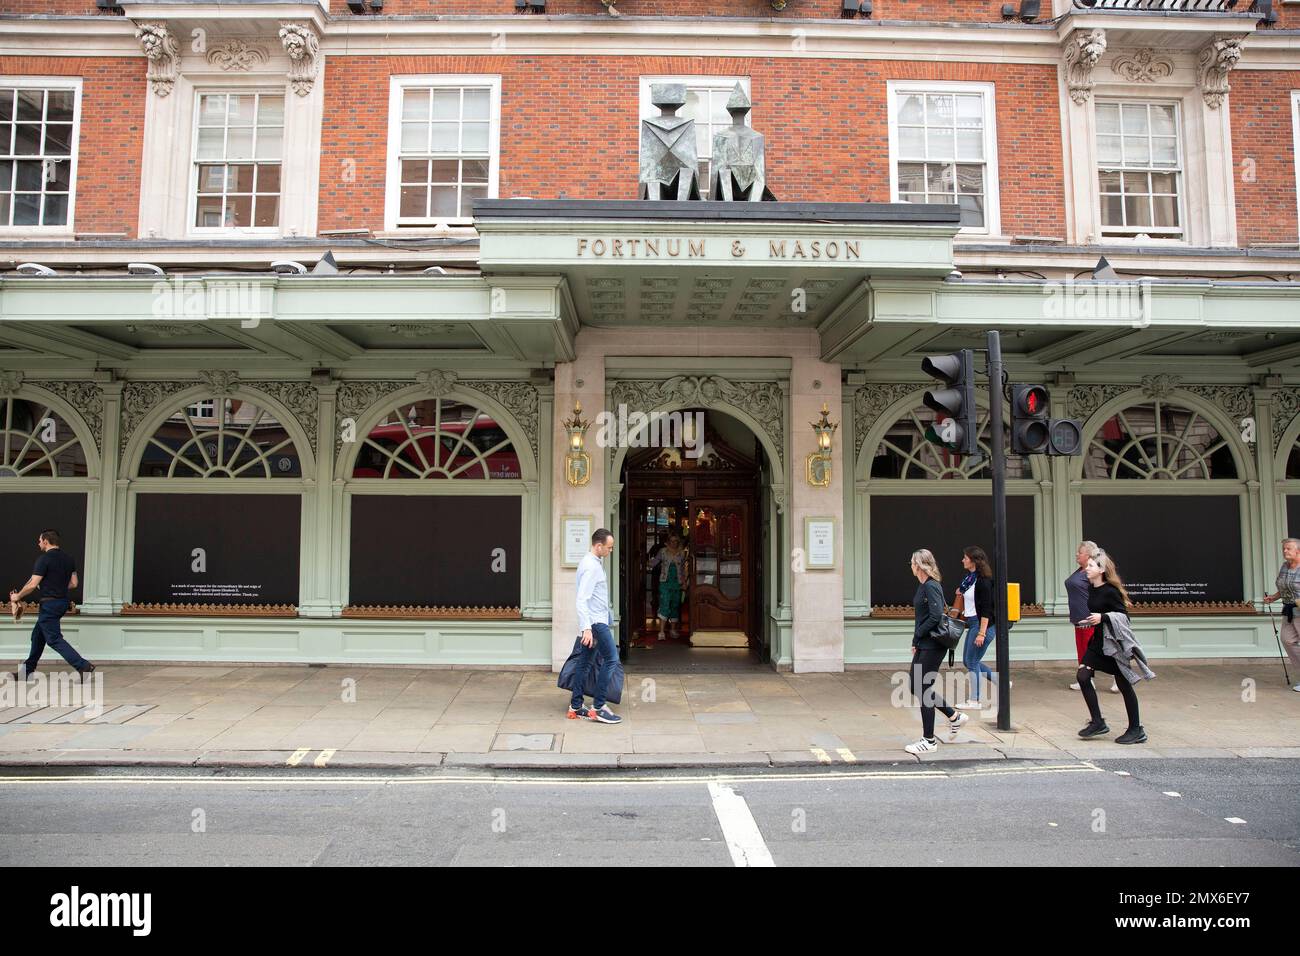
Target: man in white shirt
(594, 621)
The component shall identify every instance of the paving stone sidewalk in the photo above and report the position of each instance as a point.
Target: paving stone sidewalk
(351, 716)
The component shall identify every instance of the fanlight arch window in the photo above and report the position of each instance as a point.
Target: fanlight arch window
(1159, 440)
(1293, 461)
(220, 438)
(38, 442)
(437, 438)
(906, 452)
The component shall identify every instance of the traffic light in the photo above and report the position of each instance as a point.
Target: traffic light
(1030, 431)
(1066, 438)
(954, 404)
(1033, 432)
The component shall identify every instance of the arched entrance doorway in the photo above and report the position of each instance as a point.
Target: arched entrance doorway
(699, 604)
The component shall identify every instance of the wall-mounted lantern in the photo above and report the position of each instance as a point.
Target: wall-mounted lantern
(819, 461)
(577, 463)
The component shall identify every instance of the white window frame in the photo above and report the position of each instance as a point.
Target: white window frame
(192, 198)
(72, 83)
(393, 178)
(712, 83)
(992, 227)
(1295, 149)
(1180, 125)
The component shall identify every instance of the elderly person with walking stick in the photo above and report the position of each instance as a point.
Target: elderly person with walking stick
(1288, 590)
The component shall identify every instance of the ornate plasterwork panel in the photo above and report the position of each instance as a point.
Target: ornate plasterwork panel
(763, 401)
(1143, 66)
(870, 402)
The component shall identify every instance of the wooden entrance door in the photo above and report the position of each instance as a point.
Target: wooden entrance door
(721, 595)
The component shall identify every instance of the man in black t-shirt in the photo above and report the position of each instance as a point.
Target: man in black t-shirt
(54, 576)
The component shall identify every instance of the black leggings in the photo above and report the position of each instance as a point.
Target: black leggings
(925, 672)
(1107, 665)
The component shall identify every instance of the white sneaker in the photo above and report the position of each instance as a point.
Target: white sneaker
(1074, 686)
(1114, 688)
(1296, 688)
(922, 746)
(956, 722)
(970, 705)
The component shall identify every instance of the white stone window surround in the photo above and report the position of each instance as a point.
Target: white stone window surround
(992, 228)
(393, 169)
(167, 165)
(1295, 149)
(1207, 192)
(52, 83)
(717, 87)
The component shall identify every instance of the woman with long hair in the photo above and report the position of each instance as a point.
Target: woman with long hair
(1107, 597)
(981, 623)
(927, 652)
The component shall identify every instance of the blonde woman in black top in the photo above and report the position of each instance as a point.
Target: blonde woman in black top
(927, 653)
(1107, 596)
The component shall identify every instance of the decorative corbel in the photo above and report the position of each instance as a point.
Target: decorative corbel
(164, 57)
(1216, 60)
(303, 47)
(1083, 48)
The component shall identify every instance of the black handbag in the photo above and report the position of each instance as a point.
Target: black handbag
(949, 631)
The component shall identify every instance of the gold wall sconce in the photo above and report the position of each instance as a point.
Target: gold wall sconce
(577, 463)
(819, 461)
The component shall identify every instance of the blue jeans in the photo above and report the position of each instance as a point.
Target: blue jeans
(973, 657)
(604, 645)
(47, 631)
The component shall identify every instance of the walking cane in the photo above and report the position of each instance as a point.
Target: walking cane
(1277, 635)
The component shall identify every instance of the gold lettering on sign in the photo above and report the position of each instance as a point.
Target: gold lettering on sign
(845, 249)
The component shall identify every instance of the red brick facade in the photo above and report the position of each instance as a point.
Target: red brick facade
(570, 123)
(1264, 154)
(112, 135)
(825, 123)
(988, 10)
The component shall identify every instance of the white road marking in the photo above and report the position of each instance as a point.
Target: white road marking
(1234, 819)
(846, 755)
(296, 757)
(1122, 773)
(324, 758)
(1171, 793)
(821, 755)
(738, 826)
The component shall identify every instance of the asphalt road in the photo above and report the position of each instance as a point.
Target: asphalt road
(1164, 813)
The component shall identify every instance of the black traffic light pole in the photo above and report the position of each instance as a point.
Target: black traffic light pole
(999, 465)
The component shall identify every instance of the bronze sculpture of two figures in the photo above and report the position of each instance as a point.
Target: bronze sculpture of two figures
(669, 160)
